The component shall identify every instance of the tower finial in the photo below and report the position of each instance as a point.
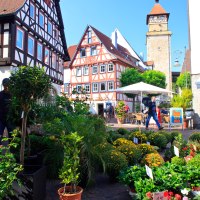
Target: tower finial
(157, 1)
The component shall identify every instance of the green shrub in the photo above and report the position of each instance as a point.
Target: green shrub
(129, 149)
(130, 175)
(153, 160)
(168, 135)
(174, 134)
(145, 148)
(195, 137)
(112, 136)
(142, 138)
(158, 139)
(178, 161)
(148, 132)
(117, 162)
(123, 131)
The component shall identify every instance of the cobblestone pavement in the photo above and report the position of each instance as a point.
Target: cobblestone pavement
(104, 189)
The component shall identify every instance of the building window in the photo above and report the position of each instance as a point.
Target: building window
(32, 11)
(85, 70)
(102, 86)
(39, 51)
(78, 71)
(56, 33)
(102, 68)
(49, 27)
(20, 39)
(79, 88)
(54, 60)
(30, 46)
(93, 51)
(95, 87)
(41, 19)
(110, 86)
(94, 69)
(82, 52)
(87, 88)
(89, 37)
(46, 57)
(110, 68)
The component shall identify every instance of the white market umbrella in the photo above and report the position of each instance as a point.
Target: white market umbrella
(142, 88)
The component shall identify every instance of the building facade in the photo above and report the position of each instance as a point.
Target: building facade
(32, 34)
(194, 41)
(158, 41)
(96, 65)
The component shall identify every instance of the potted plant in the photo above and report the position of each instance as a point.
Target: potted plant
(69, 173)
(120, 112)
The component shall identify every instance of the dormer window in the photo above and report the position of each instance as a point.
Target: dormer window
(41, 19)
(32, 11)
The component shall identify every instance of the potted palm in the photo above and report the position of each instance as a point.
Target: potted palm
(120, 112)
(69, 173)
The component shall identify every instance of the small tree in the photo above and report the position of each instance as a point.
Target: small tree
(27, 85)
(130, 76)
(184, 80)
(156, 78)
(183, 100)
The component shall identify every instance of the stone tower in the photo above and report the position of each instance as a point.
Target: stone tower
(158, 41)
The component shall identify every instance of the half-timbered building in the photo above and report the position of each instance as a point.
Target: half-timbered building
(96, 65)
(32, 33)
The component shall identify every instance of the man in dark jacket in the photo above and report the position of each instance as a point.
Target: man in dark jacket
(152, 113)
(5, 100)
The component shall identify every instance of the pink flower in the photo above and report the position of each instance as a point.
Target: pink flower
(177, 196)
(149, 195)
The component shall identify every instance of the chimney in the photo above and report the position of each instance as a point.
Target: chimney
(114, 38)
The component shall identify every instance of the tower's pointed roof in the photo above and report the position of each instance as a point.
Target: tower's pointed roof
(157, 10)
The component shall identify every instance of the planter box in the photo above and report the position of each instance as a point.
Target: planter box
(36, 181)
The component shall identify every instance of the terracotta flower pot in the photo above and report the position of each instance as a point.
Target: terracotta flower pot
(120, 120)
(69, 196)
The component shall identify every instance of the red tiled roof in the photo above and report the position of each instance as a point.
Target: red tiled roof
(157, 10)
(187, 62)
(149, 63)
(120, 52)
(71, 51)
(10, 6)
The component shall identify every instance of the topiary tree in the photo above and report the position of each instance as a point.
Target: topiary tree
(27, 85)
(156, 78)
(184, 80)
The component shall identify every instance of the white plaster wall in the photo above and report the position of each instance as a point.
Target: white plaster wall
(5, 72)
(194, 16)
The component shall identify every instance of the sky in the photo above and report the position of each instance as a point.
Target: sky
(129, 17)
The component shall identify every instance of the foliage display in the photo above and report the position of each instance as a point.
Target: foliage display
(120, 110)
(158, 139)
(153, 160)
(27, 85)
(182, 101)
(69, 172)
(184, 80)
(9, 169)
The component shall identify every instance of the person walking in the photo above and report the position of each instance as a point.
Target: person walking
(152, 113)
(5, 100)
